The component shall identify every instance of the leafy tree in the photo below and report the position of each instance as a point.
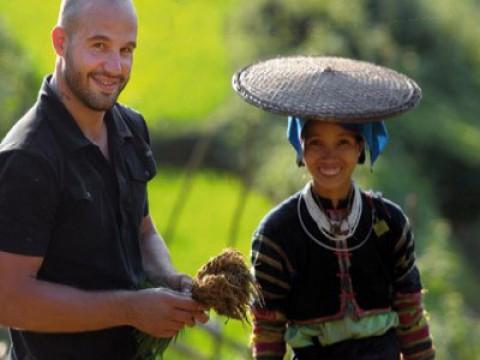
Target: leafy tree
(431, 166)
(18, 79)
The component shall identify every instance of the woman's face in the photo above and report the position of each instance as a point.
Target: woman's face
(330, 155)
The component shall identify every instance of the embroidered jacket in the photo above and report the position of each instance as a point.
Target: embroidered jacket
(307, 278)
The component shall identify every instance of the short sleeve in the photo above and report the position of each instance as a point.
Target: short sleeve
(28, 200)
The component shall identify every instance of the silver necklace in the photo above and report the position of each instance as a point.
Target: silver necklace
(335, 225)
(347, 227)
(305, 198)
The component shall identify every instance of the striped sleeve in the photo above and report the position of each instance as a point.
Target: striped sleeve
(413, 330)
(267, 337)
(404, 253)
(272, 270)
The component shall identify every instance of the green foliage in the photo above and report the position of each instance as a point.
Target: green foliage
(183, 66)
(204, 230)
(454, 325)
(18, 82)
(181, 70)
(431, 165)
(204, 224)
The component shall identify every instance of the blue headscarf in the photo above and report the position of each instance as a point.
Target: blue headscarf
(374, 133)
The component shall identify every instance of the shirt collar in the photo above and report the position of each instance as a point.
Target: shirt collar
(69, 133)
(118, 120)
(327, 204)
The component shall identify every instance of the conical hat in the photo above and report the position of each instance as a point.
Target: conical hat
(326, 88)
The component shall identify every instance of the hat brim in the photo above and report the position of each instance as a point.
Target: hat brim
(327, 88)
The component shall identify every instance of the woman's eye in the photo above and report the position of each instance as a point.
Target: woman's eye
(314, 142)
(344, 144)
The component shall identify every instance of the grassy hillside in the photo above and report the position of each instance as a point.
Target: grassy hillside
(181, 69)
(204, 223)
(203, 231)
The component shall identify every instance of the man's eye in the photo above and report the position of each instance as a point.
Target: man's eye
(99, 46)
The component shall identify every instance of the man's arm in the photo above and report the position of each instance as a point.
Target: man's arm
(36, 305)
(156, 259)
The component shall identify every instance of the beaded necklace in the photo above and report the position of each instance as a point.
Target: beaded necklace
(348, 225)
(346, 228)
(335, 223)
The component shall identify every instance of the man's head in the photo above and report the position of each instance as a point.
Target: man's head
(94, 41)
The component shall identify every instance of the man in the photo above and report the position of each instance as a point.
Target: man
(76, 238)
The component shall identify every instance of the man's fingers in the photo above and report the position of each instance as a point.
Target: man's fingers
(184, 317)
(201, 316)
(186, 303)
(186, 284)
(173, 324)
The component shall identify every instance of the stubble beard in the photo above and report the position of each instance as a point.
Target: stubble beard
(77, 83)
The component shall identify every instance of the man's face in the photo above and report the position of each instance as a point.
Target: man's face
(99, 54)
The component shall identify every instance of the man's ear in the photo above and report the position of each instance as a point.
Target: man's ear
(59, 38)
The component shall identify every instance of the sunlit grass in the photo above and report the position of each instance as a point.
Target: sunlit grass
(203, 231)
(204, 224)
(181, 69)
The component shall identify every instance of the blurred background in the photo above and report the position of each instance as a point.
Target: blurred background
(223, 164)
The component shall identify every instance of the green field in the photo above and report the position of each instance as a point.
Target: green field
(203, 231)
(181, 69)
(204, 223)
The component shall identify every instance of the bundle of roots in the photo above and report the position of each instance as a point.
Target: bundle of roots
(226, 285)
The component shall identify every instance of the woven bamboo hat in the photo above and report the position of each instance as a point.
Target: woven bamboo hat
(326, 88)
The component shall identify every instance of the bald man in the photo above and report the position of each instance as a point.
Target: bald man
(76, 237)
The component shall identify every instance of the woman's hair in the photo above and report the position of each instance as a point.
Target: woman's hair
(362, 157)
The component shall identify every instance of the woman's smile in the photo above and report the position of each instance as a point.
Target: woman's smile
(330, 155)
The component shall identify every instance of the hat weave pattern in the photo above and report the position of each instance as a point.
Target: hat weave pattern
(327, 88)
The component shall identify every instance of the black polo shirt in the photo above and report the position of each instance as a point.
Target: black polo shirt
(61, 199)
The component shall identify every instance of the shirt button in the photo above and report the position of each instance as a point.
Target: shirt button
(88, 196)
(147, 173)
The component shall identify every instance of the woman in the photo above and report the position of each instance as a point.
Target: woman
(335, 264)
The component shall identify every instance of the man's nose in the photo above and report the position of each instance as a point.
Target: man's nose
(113, 64)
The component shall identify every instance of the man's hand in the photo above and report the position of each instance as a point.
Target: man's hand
(37, 305)
(179, 282)
(163, 313)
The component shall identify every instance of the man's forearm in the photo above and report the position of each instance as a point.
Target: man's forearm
(156, 258)
(47, 307)
(157, 264)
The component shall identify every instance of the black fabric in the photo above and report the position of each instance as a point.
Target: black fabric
(61, 199)
(314, 282)
(383, 347)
